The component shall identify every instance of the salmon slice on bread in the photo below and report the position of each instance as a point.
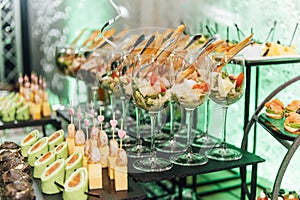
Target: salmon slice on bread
(274, 109)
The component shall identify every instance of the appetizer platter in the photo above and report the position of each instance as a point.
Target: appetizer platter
(281, 120)
(84, 164)
(30, 102)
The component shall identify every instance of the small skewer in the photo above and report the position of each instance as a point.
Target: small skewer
(269, 34)
(293, 34)
(86, 123)
(274, 27)
(208, 30)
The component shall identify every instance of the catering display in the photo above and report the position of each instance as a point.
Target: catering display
(150, 66)
(30, 102)
(285, 118)
(15, 179)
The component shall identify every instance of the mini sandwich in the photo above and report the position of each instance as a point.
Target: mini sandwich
(274, 109)
(292, 107)
(292, 123)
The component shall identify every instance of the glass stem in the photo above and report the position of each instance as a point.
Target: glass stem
(137, 119)
(183, 118)
(172, 138)
(206, 118)
(189, 116)
(124, 112)
(153, 118)
(224, 127)
(95, 98)
(112, 101)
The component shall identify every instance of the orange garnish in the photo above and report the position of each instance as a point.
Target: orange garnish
(52, 169)
(75, 181)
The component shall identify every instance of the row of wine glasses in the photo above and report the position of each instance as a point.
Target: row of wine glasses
(156, 80)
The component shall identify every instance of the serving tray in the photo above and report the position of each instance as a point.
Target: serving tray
(135, 191)
(275, 127)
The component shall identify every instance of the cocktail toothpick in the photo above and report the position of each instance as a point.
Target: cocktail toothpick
(71, 111)
(79, 116)
(86, 123)
(113, 124)
(121, 134)
(93, 113)
(100, 118)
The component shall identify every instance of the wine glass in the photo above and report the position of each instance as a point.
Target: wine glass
(227, 87)
(151, 82)
(172, 145)
(125, 76)
(191, 89)
(107, 72)
(204, 140)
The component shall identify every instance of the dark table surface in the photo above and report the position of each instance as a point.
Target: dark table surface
(135, 191)
(183, 171)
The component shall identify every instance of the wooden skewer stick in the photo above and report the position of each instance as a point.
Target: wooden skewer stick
(293, 34)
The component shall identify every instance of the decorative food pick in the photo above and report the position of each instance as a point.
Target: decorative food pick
(121, 134)
(86, 123)
(79, 116)
(113, 122)
(71, 111)
(100, 118)
(93, 114)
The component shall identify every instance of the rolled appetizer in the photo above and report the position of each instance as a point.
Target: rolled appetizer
(41, 164)
(61, 151)
(29, 140)
(73, 163)
(37, 150)
(53, 174)
(56, 138)
(76, 186)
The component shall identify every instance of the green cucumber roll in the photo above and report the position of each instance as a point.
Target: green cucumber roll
(56, 138)
(23, 113)
(29, 140)
(37, 150)
(62, 151)
(76, 186)
(72, 163)
(53, 174)
(9, 114)
(41, 164)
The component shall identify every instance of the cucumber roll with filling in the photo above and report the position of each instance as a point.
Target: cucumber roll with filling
(76, 185)
(53, 174)
(62, 150)
(56, 138)
(37, 150)
(28, 141)
(41, 164)
(73, 163)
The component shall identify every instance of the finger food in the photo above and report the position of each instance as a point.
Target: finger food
(274, 109)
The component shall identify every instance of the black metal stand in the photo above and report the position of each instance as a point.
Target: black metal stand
(44, 121)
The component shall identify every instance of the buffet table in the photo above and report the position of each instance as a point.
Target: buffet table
(181, 172)
(135, 191)
(53, 120)
(256, 63)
